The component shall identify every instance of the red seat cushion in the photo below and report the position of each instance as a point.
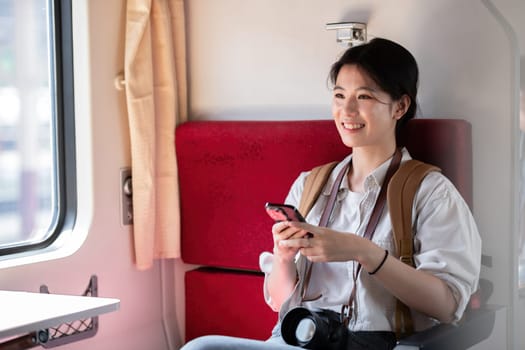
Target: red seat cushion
(227, 303)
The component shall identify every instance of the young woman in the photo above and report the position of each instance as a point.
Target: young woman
(374, 95)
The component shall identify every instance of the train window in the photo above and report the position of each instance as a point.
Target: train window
(37, 189)
(521, 215)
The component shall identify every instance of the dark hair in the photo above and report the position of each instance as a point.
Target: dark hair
(390, 65)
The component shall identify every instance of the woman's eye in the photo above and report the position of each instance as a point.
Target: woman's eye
(338, 95)
(364, 97)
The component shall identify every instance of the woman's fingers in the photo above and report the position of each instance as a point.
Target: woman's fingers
(307, 228)
(287, 230)
(297, 243)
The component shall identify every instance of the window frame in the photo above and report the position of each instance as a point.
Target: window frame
(63, 123)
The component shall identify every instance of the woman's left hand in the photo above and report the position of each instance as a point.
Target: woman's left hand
(324, 244)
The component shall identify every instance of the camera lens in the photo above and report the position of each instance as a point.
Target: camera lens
(305, 330)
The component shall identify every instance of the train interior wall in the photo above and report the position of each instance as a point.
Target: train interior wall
(268, 59)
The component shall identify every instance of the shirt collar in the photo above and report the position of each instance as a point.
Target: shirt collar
(374, 180)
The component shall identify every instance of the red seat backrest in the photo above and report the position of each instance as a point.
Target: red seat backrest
(228, 170)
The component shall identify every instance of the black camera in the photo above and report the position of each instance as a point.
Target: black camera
(319, 329)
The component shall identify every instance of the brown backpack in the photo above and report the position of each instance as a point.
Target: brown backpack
(400, 197)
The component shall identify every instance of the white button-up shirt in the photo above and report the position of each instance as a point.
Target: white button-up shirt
(446, 244)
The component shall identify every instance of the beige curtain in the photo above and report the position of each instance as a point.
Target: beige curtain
(156, 93)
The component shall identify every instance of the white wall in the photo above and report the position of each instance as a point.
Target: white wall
(514, 12)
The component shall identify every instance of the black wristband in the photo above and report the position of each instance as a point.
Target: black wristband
(380, 264)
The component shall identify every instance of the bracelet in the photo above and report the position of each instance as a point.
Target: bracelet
(380, 264)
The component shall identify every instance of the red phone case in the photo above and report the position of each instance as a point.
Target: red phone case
(283, 212)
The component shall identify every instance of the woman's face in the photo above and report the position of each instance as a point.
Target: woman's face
(364, 114)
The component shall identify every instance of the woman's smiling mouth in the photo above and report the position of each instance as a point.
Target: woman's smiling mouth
(353, 126)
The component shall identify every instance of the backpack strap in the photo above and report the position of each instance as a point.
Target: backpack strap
(400, 197)
(313, 186)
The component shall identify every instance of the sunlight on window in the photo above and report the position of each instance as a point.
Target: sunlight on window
(27, 191)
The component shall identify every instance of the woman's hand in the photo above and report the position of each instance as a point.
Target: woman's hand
(283, 277)
(320, 244)
(282, 231)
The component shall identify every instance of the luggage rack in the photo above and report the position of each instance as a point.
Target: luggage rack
(64, 333)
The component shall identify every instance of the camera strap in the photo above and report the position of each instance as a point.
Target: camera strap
(347, 310)
(323, 222)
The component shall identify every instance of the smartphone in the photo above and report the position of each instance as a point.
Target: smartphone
(283, 212)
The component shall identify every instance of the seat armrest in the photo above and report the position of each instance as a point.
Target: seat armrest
(476, 326)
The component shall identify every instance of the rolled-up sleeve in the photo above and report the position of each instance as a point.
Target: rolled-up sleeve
(265, 263)
(446, 241)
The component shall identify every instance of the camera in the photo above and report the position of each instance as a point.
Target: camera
(319, 329)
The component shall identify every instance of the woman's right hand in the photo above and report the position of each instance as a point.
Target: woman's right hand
(283, 276)
(282, 231)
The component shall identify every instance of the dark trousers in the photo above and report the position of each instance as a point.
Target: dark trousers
(376, 340)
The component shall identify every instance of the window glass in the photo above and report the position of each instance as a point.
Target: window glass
(28, 143)
(521, 167)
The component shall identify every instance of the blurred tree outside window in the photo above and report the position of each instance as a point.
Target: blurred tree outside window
(28, 193)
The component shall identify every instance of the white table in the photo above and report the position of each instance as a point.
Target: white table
(26, 312)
